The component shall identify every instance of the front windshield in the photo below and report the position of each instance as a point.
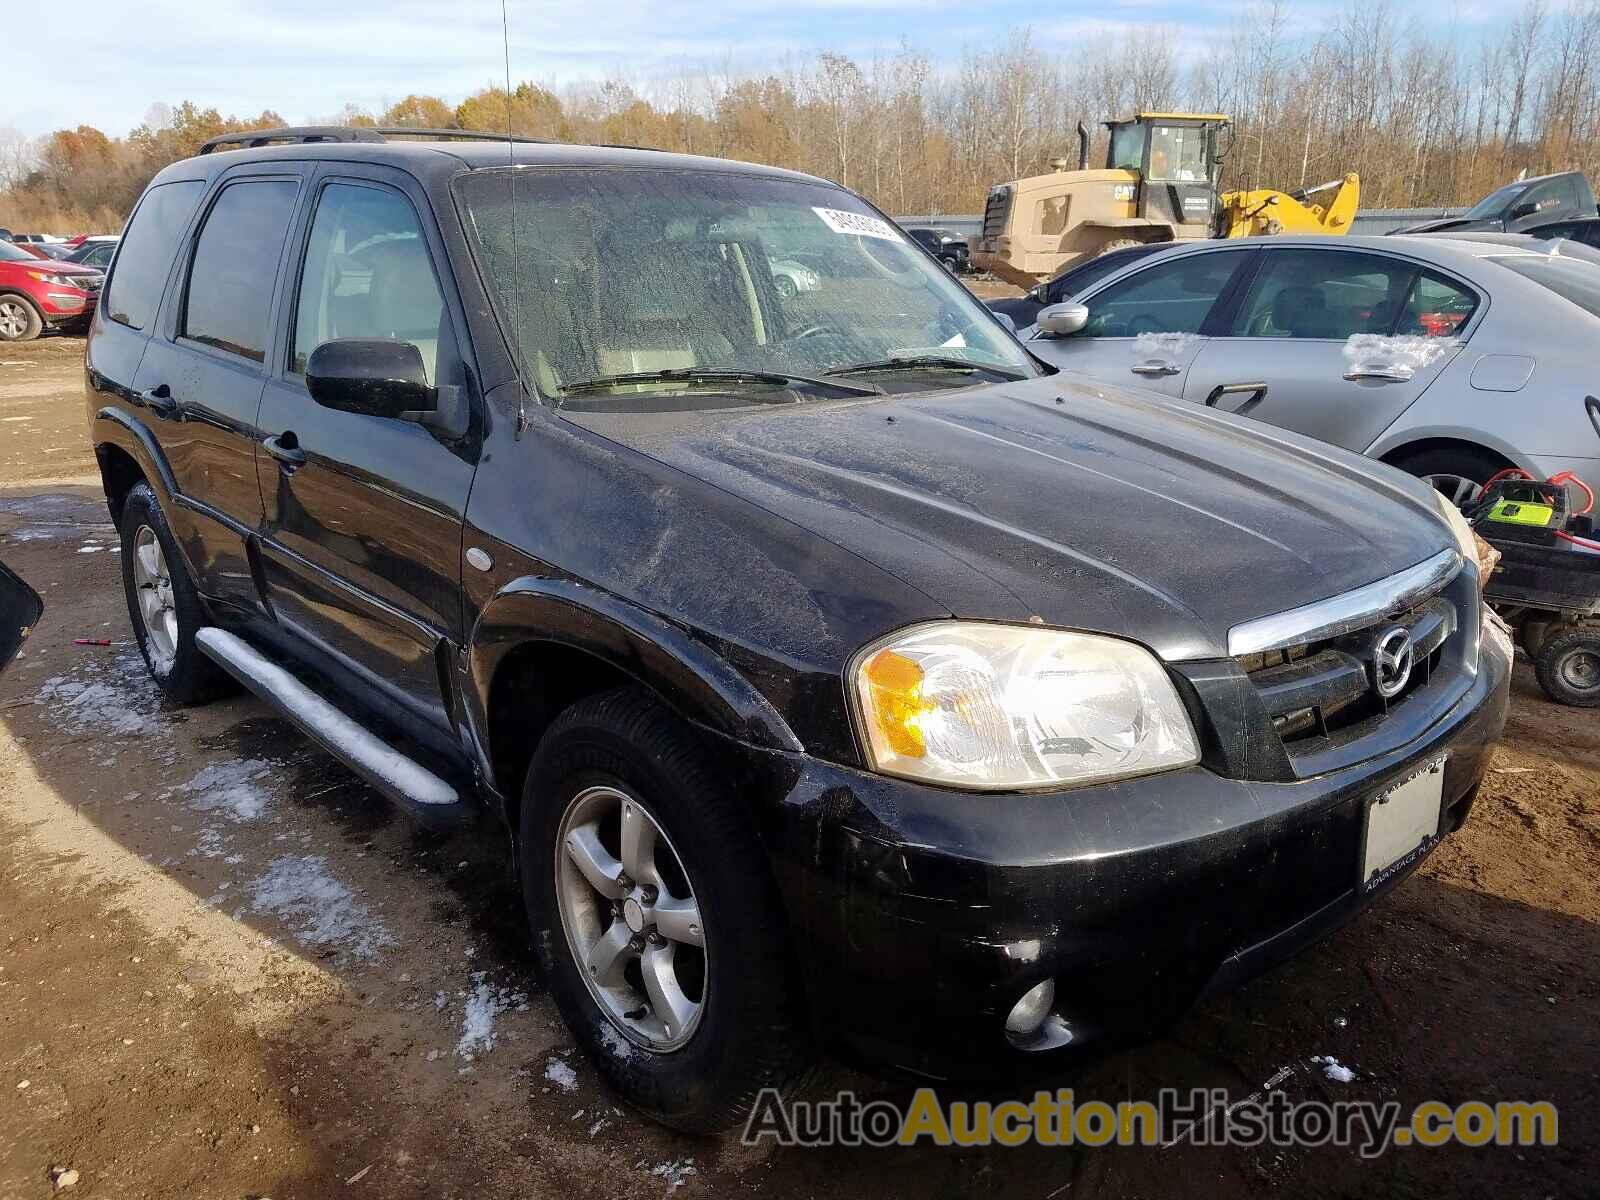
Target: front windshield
(11, 253)
(1494, 202)
(1127, 147)
(600, 274)
(1573, 280)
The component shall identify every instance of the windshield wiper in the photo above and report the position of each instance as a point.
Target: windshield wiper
(926, 362)
(718, 375)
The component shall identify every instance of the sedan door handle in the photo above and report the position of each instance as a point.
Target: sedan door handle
(159, 400)
(1154, 369)
(1254, 394)
(285, 447)
(1381, 374)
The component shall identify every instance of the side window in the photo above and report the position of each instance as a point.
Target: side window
(151, 239)
(1436, 307)
(234, 266)
(1324, 294)
(1172, 297)
(367, 275)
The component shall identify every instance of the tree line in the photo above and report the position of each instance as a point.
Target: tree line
(1426, 113)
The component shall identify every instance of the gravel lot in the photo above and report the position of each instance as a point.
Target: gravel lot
(228, 970)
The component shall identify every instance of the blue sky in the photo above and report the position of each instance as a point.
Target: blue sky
(306, 58)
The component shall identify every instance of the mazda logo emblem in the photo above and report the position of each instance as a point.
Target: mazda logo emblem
(1391, 663)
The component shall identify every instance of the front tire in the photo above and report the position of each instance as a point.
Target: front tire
(163, 605)
(1457, 472)
(656, 923)
(19, 319)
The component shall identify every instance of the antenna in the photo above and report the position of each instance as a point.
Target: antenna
(516, 249)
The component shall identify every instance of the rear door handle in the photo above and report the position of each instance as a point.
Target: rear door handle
(1254, 394)
(285, 447)
(1381, 374)
(159, 400)
(1155, 369)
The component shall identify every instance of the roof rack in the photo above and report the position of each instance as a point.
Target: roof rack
(305, 134)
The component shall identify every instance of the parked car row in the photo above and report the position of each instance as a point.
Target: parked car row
(1264, 328)
(50, 284)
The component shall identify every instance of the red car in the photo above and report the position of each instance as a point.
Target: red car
(36, 293)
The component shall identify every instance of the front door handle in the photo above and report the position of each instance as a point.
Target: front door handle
(160, 401)
(285, 447)
(1254, 394)
(1154, 369)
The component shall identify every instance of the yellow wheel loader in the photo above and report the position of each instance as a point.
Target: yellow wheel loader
(1159, 185)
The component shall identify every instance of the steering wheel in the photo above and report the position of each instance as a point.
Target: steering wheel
(808, 332)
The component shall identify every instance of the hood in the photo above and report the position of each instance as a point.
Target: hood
(1061, 499)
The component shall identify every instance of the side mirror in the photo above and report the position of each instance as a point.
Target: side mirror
(20, 609)
(381, 377)
(1526, 209)
(1005, 319)
(1063, 320)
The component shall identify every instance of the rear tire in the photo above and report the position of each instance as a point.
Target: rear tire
(623, 749)
(20, 321)
(785, 287)
(163, 605)
(1568, 666)
(1451, 469)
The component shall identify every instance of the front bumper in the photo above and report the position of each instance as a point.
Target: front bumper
(922, 915)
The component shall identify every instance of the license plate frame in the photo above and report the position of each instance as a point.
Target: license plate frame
(1401, 824)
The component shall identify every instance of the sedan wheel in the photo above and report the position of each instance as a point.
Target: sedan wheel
(18, 321)
(1458, 489)
(631, 918)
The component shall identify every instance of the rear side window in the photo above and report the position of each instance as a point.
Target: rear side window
(1332, 294)
(235, 264)
(151, 238)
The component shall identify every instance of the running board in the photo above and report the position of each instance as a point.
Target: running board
(430, 799)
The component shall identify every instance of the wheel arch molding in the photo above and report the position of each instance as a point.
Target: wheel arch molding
(536, 616)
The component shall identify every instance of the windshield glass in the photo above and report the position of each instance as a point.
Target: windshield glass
(1177, 152)
(1127, 147)
(11, 253)
(1496, 200)
(604, 273)
(1573, 280)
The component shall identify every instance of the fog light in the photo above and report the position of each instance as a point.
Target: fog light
(1028, 1014)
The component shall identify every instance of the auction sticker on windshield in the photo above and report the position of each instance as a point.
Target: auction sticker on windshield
(1402, 824)
(860, 224)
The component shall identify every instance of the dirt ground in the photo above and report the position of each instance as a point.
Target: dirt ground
(228, 970)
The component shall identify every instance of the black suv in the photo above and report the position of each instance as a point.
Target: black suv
(842, 678)
(946, 245)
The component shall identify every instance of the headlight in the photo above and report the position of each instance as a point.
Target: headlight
(54, 280)
(1474, 550)
(1006, 707)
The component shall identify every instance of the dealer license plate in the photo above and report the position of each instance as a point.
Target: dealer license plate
(1401, 824)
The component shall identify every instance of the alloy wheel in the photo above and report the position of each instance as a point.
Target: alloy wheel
(1458, 489)
(157, 607)
(631, 918)
(13, 320)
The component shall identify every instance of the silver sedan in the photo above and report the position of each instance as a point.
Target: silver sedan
(1449, 358)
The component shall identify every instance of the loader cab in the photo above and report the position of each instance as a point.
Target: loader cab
(1175, 156)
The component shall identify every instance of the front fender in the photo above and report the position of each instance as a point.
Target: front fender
(688, 675)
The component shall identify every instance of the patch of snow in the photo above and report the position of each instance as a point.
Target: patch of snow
(321, 911)
(676, 1172)
(484, 1003)
(230, 788)
(90, 548)
(123, 705)
(614, 1041)
(1333, 1069)
(210, 845)
(563, 1076)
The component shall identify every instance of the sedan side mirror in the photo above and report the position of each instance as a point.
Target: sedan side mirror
(1526, 209)
(382, 377)
(1063, 320)
(1005, 319)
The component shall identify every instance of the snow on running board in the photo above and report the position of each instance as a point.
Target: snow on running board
(324, 722)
